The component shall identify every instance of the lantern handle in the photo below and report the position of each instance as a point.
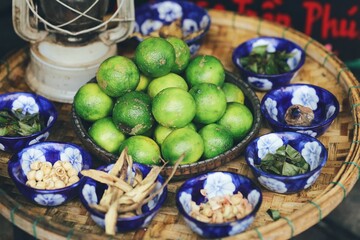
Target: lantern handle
(21, 22)
(126, 19)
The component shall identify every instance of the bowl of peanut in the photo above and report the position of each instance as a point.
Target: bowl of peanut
(218, 204)
(48, 173)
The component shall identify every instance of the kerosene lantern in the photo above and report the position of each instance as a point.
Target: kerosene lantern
(68, 40)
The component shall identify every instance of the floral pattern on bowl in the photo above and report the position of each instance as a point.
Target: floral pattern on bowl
(313, 151)
(92, 191)
(217, 184)
(323, 103)
(152, 16)
(19, 166)
(30, 104)
(263, 82)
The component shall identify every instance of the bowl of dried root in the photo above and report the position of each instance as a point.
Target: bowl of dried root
(124, 196)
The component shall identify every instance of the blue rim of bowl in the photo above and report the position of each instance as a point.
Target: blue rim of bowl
(14, 160)
(281, 177)
(297, 128)
(300, 64)
(188, 41)
(102, 215)
(45, 128)
(253, 212)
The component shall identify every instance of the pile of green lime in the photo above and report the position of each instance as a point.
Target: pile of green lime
(162, 104)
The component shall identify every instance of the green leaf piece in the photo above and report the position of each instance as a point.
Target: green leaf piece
(274, 214)
(260, 50)
(286, 161)
(15, 123)
(262, 62)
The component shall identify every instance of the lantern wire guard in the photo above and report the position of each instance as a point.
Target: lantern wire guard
(68, 41)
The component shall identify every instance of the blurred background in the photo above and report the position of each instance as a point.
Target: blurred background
(333, 23)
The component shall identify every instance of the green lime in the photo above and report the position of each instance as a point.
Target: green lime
(182, 54)
(233, 93)
(142, 149)
(143, 83)
(106, 135)
(117, 75)
(132, 113)
(191, 126)
(217, 140)
(91, 103)
(173, 107)
(210, 102)
(161, 132)
(182, 141)
(205, 69)
(137, 96)
(238, 119)
(155, 56)
(166, 81)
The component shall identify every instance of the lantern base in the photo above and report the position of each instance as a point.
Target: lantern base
(57, 71)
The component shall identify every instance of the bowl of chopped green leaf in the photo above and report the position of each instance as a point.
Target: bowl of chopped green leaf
(268, 62)
(286, 162)
(25, 119)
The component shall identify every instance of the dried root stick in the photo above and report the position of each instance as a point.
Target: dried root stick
(99, 207)
(107, 197)
(127, 192)
(110, 219)
(138, 177)
(181, 158)
(105, 178)
(150, 197)
(146, 183)
(119, 163)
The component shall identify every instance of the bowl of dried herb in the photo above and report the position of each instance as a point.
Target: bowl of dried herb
(268, 62)
(25, 119)
(286, 162)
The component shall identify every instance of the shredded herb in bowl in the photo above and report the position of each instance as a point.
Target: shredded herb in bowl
(262, 62)
(15, 123)
(286, 161)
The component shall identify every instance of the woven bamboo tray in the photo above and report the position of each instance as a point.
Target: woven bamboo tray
(299, 211)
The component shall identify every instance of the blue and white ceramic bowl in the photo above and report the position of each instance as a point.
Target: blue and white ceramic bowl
(313, 151)
(323, 103)
(152, 16)
(92, 191)
(217, 184)
(19, 166)
(29, 103)
(263, 82)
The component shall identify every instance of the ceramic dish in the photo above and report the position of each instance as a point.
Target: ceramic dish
(323, 103)
(92, 191)
(152, 16)
(264, 82)
(30, 103)
(313, 151)
(20, 165)
(217, 184)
